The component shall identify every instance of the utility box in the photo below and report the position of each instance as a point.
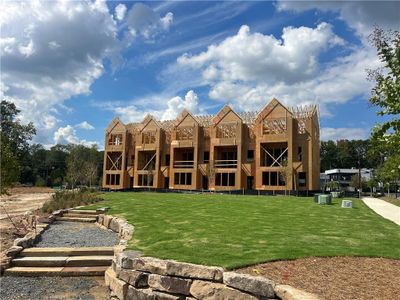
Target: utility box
(347, 204)
(325, 199)
(316, 196)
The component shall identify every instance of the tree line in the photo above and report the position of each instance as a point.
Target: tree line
(347, 154)
(32, 164)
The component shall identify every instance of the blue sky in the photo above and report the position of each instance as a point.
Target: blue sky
(71, 66)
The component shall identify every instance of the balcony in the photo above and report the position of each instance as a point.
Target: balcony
(273, 154)
(147, 160)
(114, 161)
(183, 158)
(225, 157)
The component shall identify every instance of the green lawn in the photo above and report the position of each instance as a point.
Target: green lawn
(235, 231)
(391, 200)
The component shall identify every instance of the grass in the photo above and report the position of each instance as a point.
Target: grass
(236, 231)
(391, 200)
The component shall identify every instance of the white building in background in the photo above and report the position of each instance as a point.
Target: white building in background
(343, 176)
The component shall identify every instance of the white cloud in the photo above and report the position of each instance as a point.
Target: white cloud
(27, 50)
(142, 21)
(85, 125)
(254, 56)
(120, 11)
(162, 109)
(67, 135)
(340, 82)
(167, 20)
(359, 15)
(248, 69)
(177, 104)
(54, 45)
(54, 50)
(49, 122)
(329, 133)
(41, 67)
(131, 113)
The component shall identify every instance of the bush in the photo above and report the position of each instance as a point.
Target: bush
(68, 199)
(40, 182)
(85, 189)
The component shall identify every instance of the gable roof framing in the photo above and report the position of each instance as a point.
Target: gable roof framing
(222, 114)
(182, 116)
(269, 108)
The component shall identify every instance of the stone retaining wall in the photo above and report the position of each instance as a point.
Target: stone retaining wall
(147, 278)
(122, 227)
(27, 241)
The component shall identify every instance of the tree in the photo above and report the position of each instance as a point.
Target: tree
(9, 168)
(12, 131)
(344, 154)
(386, 93)
(56, 160)
(333, 186)
(14, 144)
(358, 182)
(386, 96)
(372, 184)
(82, 164)
(74, 165)
(389, 172)
(285, 174)
(348, 154)
(91, 165)
(329, 155)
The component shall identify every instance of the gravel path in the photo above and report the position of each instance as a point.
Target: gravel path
(75, 234)
(55, 288)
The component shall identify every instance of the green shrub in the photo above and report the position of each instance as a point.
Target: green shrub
(40, 182)
(68, 199)
(85, 189)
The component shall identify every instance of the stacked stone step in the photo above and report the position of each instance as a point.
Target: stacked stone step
(146, 278)
(87, 261)
(76, 215)
(150, 278)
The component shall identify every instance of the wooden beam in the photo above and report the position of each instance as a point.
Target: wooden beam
(149, 161)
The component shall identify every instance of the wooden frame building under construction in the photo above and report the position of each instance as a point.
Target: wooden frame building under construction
(275, 149)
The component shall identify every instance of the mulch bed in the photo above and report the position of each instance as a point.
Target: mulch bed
(336, 277)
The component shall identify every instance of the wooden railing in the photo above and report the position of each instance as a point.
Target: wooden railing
(183, 164)
(225, 163)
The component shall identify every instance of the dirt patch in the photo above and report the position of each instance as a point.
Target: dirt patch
(14, 206)
(336, 277)
(30, 190)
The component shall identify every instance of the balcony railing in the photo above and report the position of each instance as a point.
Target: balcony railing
(224, 163)
(183, 164)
